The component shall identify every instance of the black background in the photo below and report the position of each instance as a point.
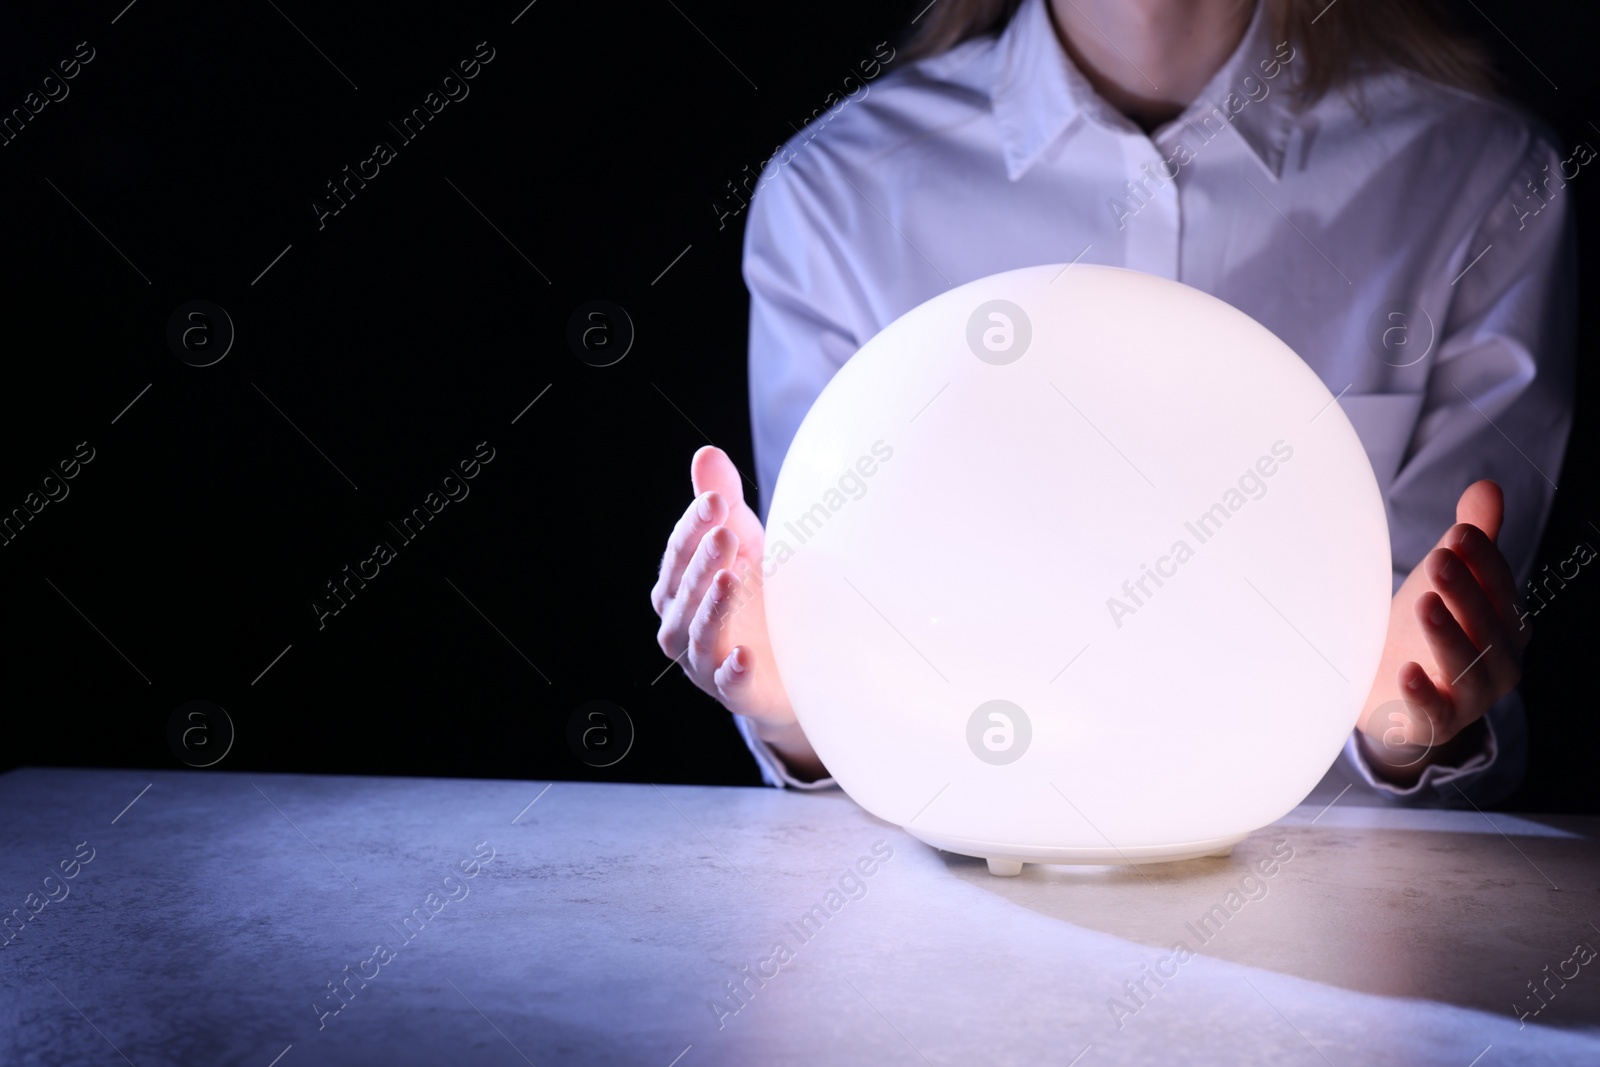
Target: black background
(406, 331)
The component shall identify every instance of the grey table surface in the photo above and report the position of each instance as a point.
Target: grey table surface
(217, 910)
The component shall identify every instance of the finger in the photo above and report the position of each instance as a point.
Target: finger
(1430, 711)
(712, 471)
(1483, 504)
(1465, 680)
(1398, 732)
(716, 550)
(1476, 614)
(705, 511)
(735, 678)
(1490, 567)
(691, 526)
(1468, 603)
(708, 629)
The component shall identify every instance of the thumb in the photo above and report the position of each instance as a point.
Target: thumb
(1482, 505)
(711, 469)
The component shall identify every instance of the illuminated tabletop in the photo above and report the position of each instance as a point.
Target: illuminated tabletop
(184, 918)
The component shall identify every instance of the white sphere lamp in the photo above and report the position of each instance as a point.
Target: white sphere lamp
(1074, 564)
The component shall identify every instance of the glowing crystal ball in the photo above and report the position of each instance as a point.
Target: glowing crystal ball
(1077, 564)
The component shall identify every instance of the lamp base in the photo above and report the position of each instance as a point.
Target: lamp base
(1007, 860)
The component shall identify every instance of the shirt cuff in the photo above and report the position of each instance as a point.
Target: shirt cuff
(1436, 779)
(773, 770)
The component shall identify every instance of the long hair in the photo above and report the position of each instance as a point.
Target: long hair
(1334, 43)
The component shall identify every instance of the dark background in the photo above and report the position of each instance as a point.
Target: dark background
(408, 330)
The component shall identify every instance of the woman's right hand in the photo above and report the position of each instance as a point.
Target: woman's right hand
(713, 619)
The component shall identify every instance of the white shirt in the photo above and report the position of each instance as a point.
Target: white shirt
(1406, 260)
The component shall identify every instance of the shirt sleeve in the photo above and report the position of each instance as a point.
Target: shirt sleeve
(1483, 778)
(1498, 405)
(808, 314)
(773, 770)
(803, 301)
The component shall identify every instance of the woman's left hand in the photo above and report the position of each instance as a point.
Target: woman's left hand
(1454, 645)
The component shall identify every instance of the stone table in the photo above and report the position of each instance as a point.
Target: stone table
(196, 917)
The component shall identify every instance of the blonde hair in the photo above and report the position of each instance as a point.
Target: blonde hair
(1334, 43)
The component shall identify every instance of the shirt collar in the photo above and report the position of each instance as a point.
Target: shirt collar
(1038, 94)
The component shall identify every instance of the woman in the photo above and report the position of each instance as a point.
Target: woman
(1337, 171)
